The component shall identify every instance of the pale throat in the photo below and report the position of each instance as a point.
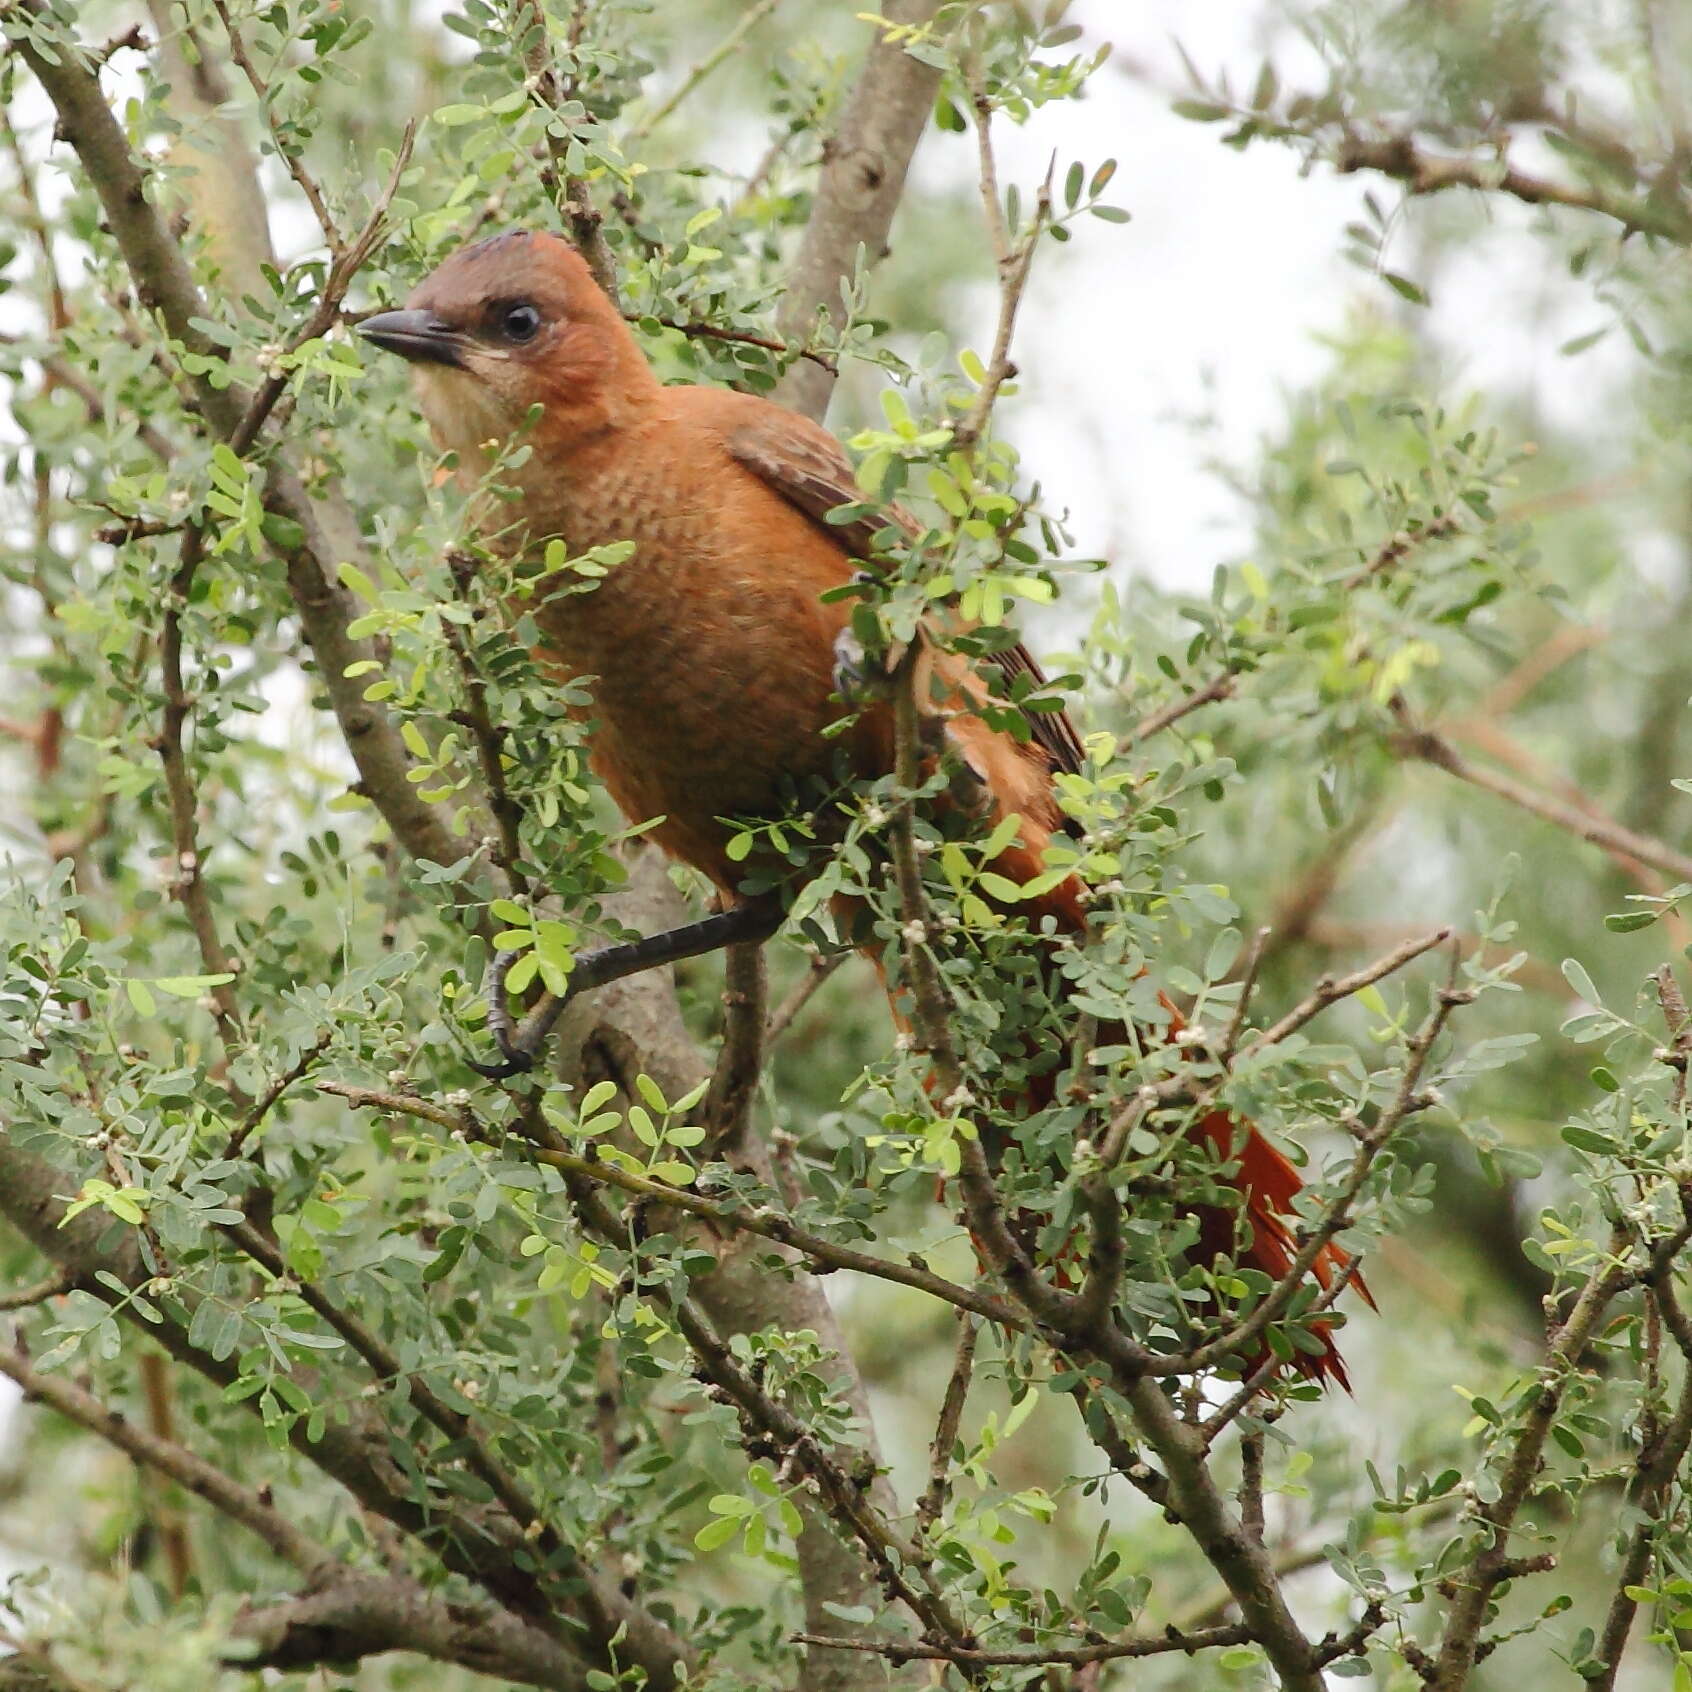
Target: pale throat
(464, 416)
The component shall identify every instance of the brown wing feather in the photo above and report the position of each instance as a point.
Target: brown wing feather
(807, 466)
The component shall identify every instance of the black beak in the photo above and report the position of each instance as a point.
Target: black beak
(418, 335)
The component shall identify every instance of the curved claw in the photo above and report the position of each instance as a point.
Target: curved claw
(515, 1063)
(519, 1047)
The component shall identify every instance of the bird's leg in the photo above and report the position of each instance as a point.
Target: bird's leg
(519, 1046)
(858, 678)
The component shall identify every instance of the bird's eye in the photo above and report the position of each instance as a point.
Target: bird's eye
(519, 322)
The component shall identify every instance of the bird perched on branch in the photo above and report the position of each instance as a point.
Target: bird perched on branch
(712, 651)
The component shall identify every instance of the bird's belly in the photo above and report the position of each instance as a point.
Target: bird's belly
(710, 696)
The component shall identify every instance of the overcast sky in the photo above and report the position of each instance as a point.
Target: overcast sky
(1215, 297)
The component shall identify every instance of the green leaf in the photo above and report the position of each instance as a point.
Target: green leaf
(189, 986)
(717, 1533)
(1629, 922)
(1574, 972)
(1589, 1140)
(600, 1094)
(140, 997)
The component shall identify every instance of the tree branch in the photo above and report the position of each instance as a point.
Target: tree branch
(359, 1615)
(1075, 1656)
(863, 178)
(1428, 747)
(1219, 687)
(353, 1451)
(164, 283)
(1403, 158)
(743, 26)
(203, 1479)
(635, 1026)
(761, 1222)
(1472, 1597)
(569, 193)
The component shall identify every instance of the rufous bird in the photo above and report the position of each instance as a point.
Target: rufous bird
(711, 652)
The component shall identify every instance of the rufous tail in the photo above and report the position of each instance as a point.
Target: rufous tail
(1267, 1182)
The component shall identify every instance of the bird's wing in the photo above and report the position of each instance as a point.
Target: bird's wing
(807, 466)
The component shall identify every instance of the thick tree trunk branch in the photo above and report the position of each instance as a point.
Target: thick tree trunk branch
(865, 163)
(359, 1615)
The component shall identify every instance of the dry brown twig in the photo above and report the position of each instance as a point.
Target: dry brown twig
(1406, 160)
(568, 192)
(1428, 746)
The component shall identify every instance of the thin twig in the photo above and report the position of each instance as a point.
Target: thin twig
(348, 261)
(933, 1501)
(490, 743)
(261, 1107)
(1251, 1390)
(1431, 748)
(1404, 159)
(386, 1367)
(1659, 1462)
(695, 330)
(1219, 687)
(1014, 258)
(1394, 551)
(1371, 1141)
(289, 154)
(275, 1527)
(188, 884)
(820, 968)
(747, 22)
(1248, 985)
(24, 1297)
(763, 1222)
(1078, 1656)
(569, 193)
(1331, 989)
(846, 1499)
(1472, 1593)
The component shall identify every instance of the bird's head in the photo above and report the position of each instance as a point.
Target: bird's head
(509, 323)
